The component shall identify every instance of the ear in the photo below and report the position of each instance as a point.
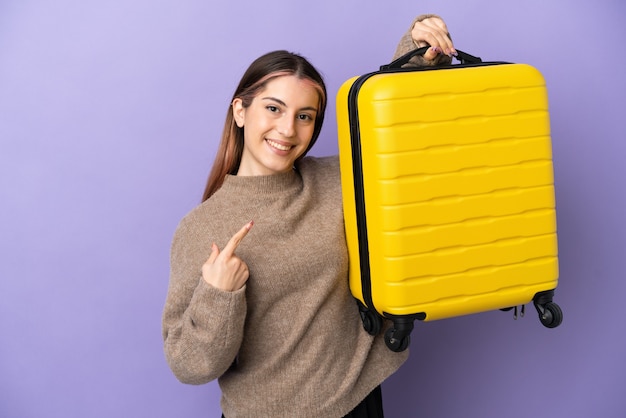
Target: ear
(239, 112)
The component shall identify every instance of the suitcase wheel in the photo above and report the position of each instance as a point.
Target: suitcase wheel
(396, 341)
(372, 323)
(552, 316)
(398, 337)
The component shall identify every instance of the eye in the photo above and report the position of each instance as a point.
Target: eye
(305, 117)
(272, 108)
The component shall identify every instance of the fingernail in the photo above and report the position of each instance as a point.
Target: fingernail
(250, 224)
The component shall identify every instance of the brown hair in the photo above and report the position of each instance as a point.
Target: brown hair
(259, 73)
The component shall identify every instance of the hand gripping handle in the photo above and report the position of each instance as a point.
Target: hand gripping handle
(462, 57)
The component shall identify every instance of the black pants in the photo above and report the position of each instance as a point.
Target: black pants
(370, 407)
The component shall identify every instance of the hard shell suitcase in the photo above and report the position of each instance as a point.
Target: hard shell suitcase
(448, 192)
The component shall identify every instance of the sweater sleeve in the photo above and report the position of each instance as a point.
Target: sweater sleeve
(407, 44)
(202, 325)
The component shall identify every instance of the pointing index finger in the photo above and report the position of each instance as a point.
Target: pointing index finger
(234, 242)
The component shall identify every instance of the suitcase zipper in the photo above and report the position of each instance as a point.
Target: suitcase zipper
(359, 192)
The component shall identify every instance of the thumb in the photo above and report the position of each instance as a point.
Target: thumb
(214, 253)
(432, 53)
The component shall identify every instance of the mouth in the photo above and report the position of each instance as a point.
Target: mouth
(279, 146)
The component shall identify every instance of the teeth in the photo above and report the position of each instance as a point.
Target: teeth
(279, 146)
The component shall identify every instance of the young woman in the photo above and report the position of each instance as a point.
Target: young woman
(258, 294)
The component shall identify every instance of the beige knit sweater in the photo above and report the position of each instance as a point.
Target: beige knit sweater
(291, 342)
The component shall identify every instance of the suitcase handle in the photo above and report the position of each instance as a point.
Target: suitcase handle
(462, 57)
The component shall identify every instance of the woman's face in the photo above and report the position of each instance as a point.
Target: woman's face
(278, 125)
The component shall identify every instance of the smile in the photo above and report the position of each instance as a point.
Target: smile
(278, 146)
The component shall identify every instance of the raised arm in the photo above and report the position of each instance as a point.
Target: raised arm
(427, 30)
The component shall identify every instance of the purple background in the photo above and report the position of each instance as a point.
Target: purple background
(110, 112)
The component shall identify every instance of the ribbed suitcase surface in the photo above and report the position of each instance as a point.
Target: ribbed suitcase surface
(455, 198)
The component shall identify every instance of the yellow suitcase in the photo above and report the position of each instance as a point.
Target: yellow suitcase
(448, 193)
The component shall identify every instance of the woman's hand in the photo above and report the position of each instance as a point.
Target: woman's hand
(223, 269)
(433, 32)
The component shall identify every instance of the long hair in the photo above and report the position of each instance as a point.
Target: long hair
(261, 71)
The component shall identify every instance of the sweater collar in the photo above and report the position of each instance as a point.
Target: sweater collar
(270, 184)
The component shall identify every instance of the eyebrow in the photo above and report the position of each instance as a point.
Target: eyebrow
(280, 102)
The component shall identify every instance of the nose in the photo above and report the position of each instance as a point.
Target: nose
(286, 126)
